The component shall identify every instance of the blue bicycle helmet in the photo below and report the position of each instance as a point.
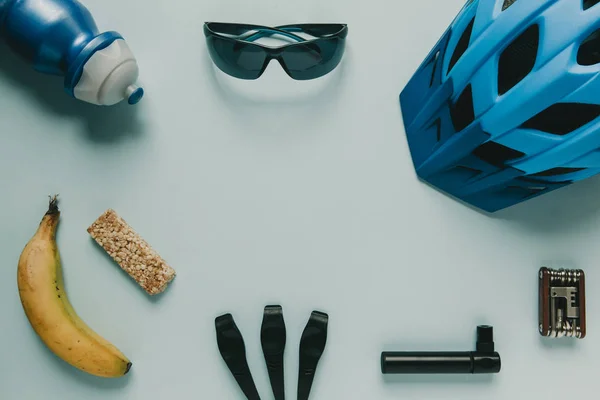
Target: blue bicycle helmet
(506, 106)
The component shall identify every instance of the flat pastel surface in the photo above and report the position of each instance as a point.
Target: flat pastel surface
(277, 192)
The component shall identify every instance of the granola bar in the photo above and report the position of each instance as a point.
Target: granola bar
(131, 252)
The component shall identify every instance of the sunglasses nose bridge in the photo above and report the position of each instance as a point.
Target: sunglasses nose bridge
(275, 53)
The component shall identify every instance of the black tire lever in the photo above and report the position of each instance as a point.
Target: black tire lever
(273, 339)
(232, 348)
(312, 345)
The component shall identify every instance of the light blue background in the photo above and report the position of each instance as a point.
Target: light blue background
(276, 191)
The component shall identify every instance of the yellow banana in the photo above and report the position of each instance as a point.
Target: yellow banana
(49, 311)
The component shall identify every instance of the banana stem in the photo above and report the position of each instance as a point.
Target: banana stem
(53, 205)
(47, 228)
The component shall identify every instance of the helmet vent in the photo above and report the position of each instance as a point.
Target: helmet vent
(589, 50)
(462, 112)
(523, 192)
(563, 118)
(465, 173)
(462, 45)
(557, 171)
(496, 154)
(589, 3)
(434, 60)
(518, 59)
(508, 3)
(438, 129)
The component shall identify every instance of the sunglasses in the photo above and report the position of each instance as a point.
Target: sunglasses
(233, 49)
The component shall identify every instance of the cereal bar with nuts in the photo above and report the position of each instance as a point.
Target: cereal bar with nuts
(131, 252)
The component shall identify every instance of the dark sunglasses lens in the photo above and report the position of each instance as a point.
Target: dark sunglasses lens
(236, 58)
(313, 60)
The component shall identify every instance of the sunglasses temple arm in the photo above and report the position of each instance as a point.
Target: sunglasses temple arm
(265, 32)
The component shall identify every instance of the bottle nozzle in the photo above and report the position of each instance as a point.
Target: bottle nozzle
(134, 94)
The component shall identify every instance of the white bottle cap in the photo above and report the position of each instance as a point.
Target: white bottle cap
(110, 76)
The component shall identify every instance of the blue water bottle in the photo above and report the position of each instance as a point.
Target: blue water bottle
(60, 37)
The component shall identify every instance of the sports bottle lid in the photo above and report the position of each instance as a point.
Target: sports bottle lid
(109, 76)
